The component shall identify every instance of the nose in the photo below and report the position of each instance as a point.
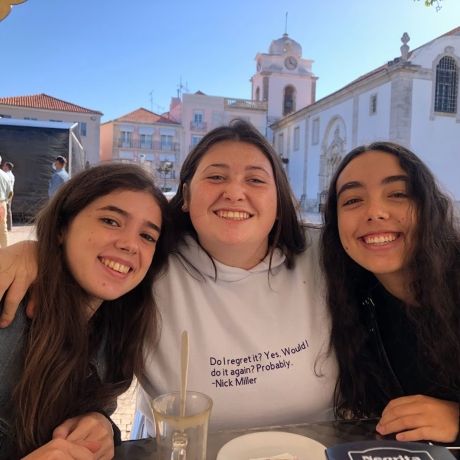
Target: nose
(376, 211)
(234, 191)
(127, 243)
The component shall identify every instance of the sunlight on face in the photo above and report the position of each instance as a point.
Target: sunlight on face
(376, 216)
(110, 244)
(232, 202)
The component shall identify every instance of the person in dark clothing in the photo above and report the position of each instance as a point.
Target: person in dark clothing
(391, 255)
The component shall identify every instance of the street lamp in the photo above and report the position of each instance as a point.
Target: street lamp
(165, 170)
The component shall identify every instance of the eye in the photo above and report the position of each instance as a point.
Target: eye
(256, 180)
(109, 221)
(351, 201)
(148, 237)
(216, 178)
(398, 194)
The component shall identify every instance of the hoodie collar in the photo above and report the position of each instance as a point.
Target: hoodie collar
(194, 253)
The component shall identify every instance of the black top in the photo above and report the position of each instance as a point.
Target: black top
(399, 339)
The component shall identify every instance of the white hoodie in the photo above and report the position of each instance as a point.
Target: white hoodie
(254, 339)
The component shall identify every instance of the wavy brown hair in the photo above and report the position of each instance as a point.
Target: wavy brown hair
(434, 281)
(60, 377)
(287, 232)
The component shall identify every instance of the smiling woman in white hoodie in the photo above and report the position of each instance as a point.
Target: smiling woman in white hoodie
(244, 279)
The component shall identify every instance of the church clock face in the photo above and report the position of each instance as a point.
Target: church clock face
(290, 62)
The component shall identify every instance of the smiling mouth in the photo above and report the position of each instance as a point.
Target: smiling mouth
(233, 215)
(115, 266)
(381, 239)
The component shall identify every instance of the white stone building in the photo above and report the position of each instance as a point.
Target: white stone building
(412, 100)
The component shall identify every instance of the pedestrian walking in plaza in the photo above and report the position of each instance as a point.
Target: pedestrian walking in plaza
(8, 169)
(5, 195)
(60, 175)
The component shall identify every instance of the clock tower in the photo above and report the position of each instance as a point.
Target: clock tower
(283, 78)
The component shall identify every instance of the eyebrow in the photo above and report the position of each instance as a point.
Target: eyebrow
(124, 213)
(385, 181)
(248, 168)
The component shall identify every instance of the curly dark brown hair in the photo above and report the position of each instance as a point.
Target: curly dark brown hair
(433, 268)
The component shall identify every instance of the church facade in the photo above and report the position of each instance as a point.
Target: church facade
(412, 100)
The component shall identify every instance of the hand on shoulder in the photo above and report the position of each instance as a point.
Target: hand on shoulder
(18, 270)
(93, 430)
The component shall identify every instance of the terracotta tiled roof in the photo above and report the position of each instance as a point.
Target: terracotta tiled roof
(43, 101)
(142, 115)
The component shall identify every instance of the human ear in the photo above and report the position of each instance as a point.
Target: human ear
(185, 197)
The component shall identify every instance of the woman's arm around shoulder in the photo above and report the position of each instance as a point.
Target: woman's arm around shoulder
(18, 270)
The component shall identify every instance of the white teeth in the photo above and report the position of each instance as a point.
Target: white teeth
(380, 239)
(115, 266)
(233, 215)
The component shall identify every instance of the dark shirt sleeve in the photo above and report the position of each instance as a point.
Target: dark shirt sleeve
(116, 430)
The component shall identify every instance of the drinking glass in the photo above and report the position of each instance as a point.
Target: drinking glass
(181, 437)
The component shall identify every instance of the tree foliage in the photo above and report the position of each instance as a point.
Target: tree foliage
(436, 3)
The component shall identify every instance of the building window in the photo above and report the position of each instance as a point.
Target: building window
(198, 116)
(198, 123)
(281, 144)
(128, 156)
(445, 99)
(125, 138)
(257, 94)
(166, 142)
(195, 140)
(146, 141)
(315, 132)
(289, 100)
(373, 104)
(82, 126)
(265, 89)
(296, 138)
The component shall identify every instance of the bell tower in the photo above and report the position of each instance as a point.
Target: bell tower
(283, 79)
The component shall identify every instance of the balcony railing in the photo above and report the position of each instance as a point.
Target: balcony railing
(244, 104)
(155, 145)
(198, 126)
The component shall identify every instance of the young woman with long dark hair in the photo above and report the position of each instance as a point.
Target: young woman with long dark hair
(391, 254)
(95, 313)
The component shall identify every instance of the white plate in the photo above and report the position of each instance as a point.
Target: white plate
(270, 443)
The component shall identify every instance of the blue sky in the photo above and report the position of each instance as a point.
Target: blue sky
(109, 55)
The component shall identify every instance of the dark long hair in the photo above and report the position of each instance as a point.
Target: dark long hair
(434, 283)
(287, 233)
(59, 378)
